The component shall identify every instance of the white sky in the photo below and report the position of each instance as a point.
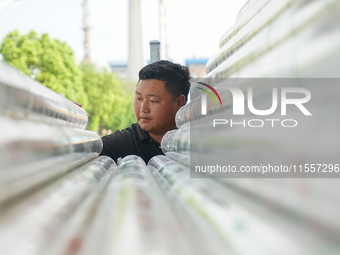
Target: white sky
(194, 26)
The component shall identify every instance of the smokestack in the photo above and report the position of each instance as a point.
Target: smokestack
(135, 62)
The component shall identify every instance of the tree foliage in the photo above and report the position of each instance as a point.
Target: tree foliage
(52, 63)
(109, 105)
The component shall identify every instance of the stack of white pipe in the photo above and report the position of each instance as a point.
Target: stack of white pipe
(47, 189)
(271, 39)
(42, 135)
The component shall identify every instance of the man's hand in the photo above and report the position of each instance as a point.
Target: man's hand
(79, 104)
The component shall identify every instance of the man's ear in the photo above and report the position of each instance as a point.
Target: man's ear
(180, 101)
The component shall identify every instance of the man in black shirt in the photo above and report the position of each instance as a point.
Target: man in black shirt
(161, 91)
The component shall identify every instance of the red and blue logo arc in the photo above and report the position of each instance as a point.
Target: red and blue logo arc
(209, 93)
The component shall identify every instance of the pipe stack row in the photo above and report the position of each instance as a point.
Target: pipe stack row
(50, 173)
(273, 45)
(280, 38)
(42, 135)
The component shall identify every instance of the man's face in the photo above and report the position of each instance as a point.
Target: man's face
(154, 107)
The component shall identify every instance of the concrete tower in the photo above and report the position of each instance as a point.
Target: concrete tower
(163, 30)
(135, 62)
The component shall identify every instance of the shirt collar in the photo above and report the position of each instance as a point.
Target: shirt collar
(143, 135)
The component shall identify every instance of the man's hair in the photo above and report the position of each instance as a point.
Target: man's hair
(175, 76)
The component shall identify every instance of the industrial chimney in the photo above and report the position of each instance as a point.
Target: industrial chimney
(135, 62)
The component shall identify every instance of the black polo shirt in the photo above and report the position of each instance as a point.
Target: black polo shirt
(130, 141)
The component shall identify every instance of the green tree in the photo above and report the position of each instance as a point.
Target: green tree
(110, 106)
(49, 61)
